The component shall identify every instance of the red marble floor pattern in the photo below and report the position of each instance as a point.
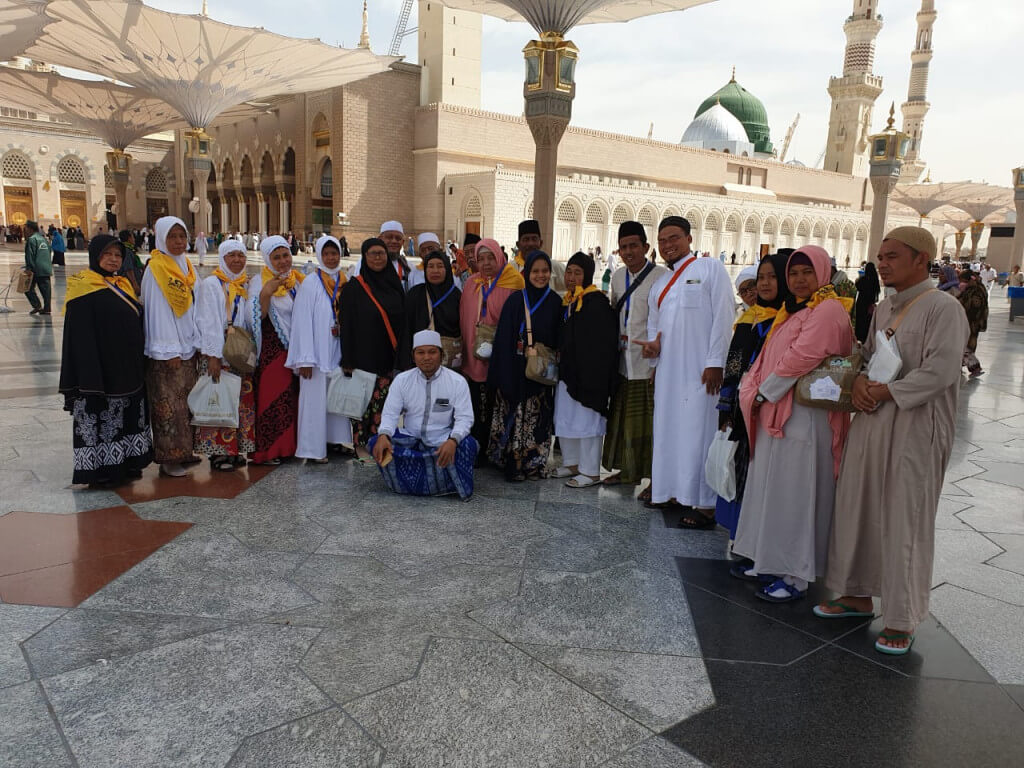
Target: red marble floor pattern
(202, 481)
(60, 560)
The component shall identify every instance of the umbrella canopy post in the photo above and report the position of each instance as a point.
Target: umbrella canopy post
(197, 162)
(120, 162)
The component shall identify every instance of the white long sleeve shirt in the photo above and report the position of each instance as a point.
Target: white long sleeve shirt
(633, 318)
(435, 409)
(212, 316)
(167, 336)
(312, 343)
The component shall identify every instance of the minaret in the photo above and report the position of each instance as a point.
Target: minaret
(364, 36)
(854, 93)
(916, 106)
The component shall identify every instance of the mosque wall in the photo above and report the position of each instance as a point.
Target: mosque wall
(56, 173)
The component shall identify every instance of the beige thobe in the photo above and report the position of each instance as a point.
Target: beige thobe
(883, 531)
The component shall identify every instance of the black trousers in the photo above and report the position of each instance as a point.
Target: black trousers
(42, 283)
(483, 410)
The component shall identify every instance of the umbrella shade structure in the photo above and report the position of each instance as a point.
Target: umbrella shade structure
(118, 114)
(21, 24)
(925, 198)
(196, 64)
(560, 16)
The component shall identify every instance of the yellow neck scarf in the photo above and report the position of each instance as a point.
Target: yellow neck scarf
(294, 277)
(174, 285)
(508, 278)
(756, 314)
(329, 281)
(87, 281)
(237, 287)
(824, 293)
(576, 295)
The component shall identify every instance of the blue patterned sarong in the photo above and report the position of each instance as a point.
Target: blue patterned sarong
(414, 470)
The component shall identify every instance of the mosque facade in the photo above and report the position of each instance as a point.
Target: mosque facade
(413, 144)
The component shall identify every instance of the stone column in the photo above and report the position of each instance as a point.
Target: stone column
(261, 205)
(225, 214)
(976, 230)
(120, 163)
(958, 238)
(1017, 249)
(883, 180)
(243, 217)
(285, 214)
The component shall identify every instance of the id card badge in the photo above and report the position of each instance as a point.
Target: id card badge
(520, 347)
(623, 343)
(335, 330)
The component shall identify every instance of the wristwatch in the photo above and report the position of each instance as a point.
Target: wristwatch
(759, 398)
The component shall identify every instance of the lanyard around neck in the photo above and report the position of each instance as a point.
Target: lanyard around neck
(530, 310)
(337, 286)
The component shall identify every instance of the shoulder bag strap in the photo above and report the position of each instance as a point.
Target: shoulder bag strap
(633, 286)
(676, 276)
(430, 310)
(383, 314)
(891, 330)
(529, 325)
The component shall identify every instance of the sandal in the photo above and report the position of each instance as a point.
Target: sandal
(223, 463)
(613, 479)
(894, 634)
(697, 521)
(324, 460)
(792, 593)
(740, 571)
(583, 481)
(563, 472)
(847, 612)
(644, 495)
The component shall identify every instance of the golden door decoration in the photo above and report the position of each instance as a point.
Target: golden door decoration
(72, 208)
(18, 205)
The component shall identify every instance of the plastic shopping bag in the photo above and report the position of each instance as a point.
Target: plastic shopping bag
(349, 395)
(720, 466)
(886, 362)
(215, 403)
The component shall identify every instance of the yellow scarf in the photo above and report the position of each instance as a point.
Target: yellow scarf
(87, 281)
(293, 278)
(236, 286)
(576, 295)
(175, 286)
(509, 278)
(756, 314)
(329, 282)
(824, 293)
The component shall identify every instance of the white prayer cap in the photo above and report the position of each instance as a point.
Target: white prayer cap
(426, 339)
(427, 237)
(747, 273)
(391, 226)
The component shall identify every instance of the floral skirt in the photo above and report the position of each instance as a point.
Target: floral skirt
(167, 387)
(226, 441)
(111, 437)
(520, 439)
(366, 427)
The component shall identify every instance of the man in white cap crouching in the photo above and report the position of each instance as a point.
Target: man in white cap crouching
(434, 455)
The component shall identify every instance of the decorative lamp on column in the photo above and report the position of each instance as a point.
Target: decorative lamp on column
(888, 150)
(1017, 252)
(120, 163)
(198, 163)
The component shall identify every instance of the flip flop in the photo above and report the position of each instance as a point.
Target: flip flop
(894, 635)
(847, 613)
(696, 521)
(562, 472)
(612, 479)
(583, 481)
(765, 592)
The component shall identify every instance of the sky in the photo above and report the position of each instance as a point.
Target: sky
(661, 68)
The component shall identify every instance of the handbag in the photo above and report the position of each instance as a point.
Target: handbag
(24, 281)
(829, 386)
(483, 344)
(541, 360)
(451, 346)
(215, 403)
(720, 465)
(350, 395)
(239, 346)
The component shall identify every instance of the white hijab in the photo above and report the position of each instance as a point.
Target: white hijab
(320, 243)
(161, 229)
(280, 311)
(269, 245)
(226, 247)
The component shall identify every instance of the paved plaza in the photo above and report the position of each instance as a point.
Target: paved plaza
(304, 616)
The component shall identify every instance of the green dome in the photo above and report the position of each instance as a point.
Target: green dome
(747, 108)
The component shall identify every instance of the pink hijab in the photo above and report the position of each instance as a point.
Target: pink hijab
(795, 347)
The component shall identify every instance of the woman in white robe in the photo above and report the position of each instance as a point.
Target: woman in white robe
(224, 299)
(315, 351)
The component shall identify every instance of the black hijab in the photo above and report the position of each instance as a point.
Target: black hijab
(365, 342)
(778, 262)
(793, 304)
(589, 346)
(586, 263)
(96, 247)
(532, 293)
(417, 315)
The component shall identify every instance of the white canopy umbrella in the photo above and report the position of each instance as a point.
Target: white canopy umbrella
(21, 23)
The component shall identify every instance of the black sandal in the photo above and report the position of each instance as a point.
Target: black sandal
(696, 521)
(223, 463)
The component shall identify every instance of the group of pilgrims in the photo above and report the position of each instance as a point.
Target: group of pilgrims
(647, 375)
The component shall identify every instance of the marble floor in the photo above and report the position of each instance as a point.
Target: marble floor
(306, 617)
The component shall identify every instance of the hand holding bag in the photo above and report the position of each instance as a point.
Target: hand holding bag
(829, 386)
(483, 344)
(349, 395)
(541, 360)
(720, 465)
(215, 403)
(239, 346)
(24, 281)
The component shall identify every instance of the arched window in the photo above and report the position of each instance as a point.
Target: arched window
(622, 213)
(732, 224)
(647, 216)
(70, 170)
(595, 214)
(474, 207)
(156, 180)
(108, 177)
(16, 166)
(327, 180)
(567, 211)
(529, 210)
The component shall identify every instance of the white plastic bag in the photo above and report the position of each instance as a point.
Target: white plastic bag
(349, 395)
(215, 404)
(720, 466)
(886, 362)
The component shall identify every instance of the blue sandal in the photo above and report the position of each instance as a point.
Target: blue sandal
(765, 592)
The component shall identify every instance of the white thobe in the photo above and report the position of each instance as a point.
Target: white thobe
(435, 409)
(314, 346)
(695, 321)
(633, 318)
(167, 335)
(212, 316)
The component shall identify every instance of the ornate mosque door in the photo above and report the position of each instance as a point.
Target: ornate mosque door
(72, 208)
(18, 205)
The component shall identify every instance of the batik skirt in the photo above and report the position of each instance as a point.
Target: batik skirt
(111, 438)
(277, 400)
(413, 469)
(367, 426)
(228, 441)
(629, 440)
(167, 387)
(520, 438)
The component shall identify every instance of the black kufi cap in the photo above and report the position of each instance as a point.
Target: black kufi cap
(471, 237)
(675, 221)
(529, 227)
(628, 228)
